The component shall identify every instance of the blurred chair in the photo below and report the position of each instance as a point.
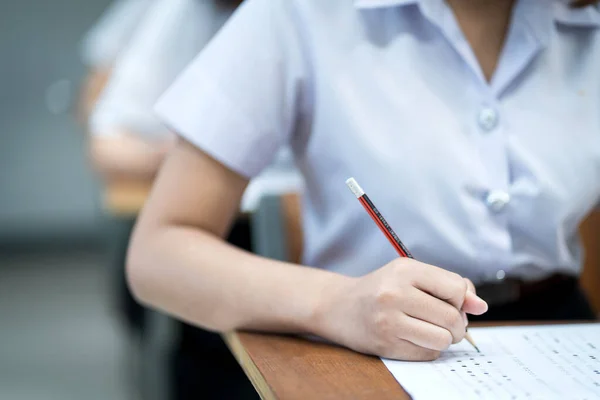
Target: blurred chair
(277, 233)
(277, 227)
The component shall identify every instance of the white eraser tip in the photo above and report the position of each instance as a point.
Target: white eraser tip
(355, 187)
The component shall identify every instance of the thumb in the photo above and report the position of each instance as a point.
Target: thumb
(470, 285)
(474, 304)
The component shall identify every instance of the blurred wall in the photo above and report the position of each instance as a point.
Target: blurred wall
(46, 188)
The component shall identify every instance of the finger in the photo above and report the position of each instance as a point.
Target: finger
(438, 282)
(474, 304)
(405, 350)
(470, 285)
(470, 288)
(425, 334)
(430, 309)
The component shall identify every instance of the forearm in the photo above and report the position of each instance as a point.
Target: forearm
(200, 278)
(126, 157)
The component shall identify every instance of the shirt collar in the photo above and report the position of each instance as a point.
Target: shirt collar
(542, 16)
(582, 17)
(383, 3)
(587, 17)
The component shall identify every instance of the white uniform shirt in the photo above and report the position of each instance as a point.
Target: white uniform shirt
(476, 177)
(170, 35)
(105, 40)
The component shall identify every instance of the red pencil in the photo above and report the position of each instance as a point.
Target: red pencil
(378, 218)
(387, 230)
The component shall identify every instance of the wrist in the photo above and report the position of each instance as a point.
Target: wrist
(327, 300)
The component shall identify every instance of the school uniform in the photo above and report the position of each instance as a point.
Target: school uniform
(170, 35)
(102, 44)
(487, 179)
(165, 41)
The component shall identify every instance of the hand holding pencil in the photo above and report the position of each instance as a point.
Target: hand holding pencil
(404, 252)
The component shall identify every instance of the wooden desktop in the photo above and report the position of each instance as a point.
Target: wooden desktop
(125, 198)
(283, 367)
(290, 368)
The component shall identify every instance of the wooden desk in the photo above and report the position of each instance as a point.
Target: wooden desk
(290, 368)
(125, 199)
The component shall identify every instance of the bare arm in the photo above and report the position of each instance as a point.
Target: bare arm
(179, 261)
(125, 156)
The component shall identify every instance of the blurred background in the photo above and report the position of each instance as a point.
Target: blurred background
(79, 147)
(47, 190)
(59, 335)
(68, 327)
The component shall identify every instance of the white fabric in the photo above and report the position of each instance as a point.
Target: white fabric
(280, 177)
(105, 40)
(171, 33)
(166, 40)
(485, 179)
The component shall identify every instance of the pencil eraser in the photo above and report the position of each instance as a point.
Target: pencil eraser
(355, 187)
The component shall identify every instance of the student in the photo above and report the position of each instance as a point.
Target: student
(101, 47)
(129, 143)
(472, 124)
(103, 43)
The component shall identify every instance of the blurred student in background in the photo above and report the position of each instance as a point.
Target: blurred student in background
(102, 45)
(128, 143)
(101, 49)
(473, 125)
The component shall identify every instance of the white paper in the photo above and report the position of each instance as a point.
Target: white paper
(535, 362)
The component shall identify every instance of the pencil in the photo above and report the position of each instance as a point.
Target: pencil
(387, 230)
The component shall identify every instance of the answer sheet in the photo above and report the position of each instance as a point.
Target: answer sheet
(534, 362)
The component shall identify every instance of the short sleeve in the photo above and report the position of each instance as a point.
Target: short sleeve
(104, 41)
(240, 98)
(170, 35)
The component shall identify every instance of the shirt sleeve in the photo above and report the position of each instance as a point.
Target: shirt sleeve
(171, 34)
(239, 99)
(102, 44)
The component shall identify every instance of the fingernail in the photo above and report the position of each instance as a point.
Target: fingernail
(484, 302)
(480, 299)
(465, 319)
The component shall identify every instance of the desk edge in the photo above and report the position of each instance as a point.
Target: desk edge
(245, 361)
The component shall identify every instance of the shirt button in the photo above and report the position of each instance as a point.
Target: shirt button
(496, 200)
(487, 119)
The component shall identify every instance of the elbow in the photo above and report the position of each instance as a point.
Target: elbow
(149, 289)
(137, 274)
(172, 290)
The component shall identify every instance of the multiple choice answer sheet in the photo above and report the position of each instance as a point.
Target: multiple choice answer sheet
(527, 362)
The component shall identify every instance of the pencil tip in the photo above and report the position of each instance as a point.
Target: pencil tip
(477, 348)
